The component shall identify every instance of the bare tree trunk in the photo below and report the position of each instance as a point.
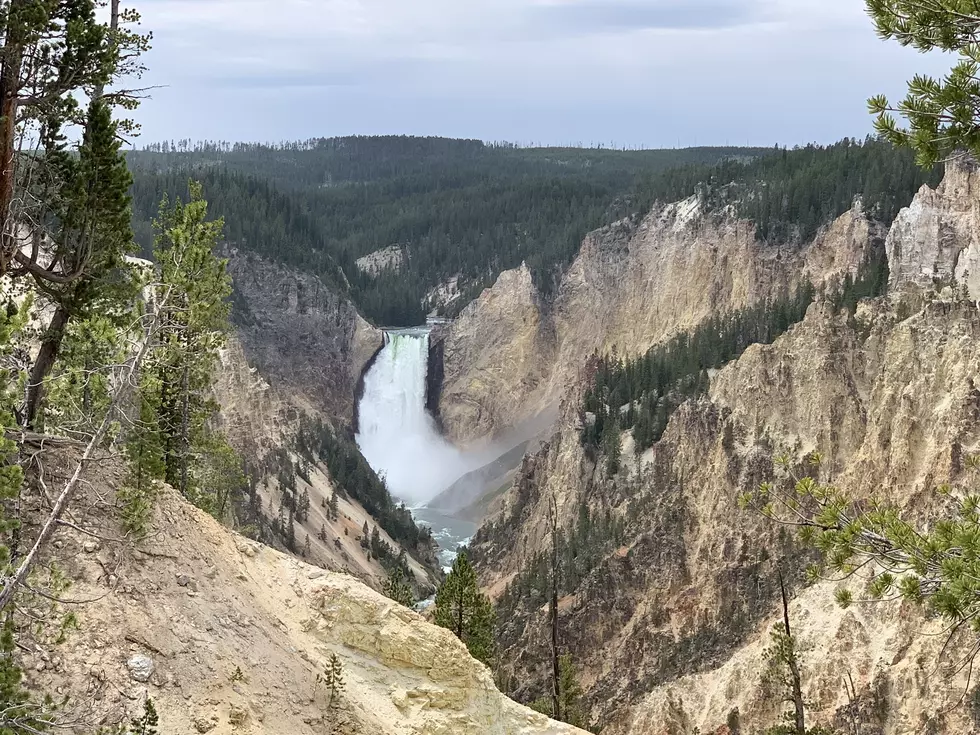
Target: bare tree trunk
(794, 667)
(459, 616)
(13, 60)
(46, 356)
(113, 26)
(13, 582)
(185, 428)
(555, 663)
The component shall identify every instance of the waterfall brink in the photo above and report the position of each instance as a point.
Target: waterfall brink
(397, 435)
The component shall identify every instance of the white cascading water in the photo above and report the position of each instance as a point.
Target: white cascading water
(396, 434)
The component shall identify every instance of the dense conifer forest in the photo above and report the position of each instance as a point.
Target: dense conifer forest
(460, 208)
(469, 209)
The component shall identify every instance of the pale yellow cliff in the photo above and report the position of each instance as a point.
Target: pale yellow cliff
(668, 628)
(510, 356)
(228, 636)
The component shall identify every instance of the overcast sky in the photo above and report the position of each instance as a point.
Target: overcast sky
(654, 73)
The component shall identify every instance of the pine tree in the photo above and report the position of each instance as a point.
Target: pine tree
(94, 236)
(570, 704)
(934, 567)
(334, 507)
(782, 678)
(333, 679)
(12, 693)
(397, 588)
(467, 612)
(194, 328)
(144, 450)
(147, 723)
(941, 113)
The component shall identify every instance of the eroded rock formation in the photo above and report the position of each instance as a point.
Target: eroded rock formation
(228, 636)
(669, 624)
(511, 355)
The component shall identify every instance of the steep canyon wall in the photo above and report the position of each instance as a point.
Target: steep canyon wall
(668, 626)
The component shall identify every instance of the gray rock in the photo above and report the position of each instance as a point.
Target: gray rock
(140, 668)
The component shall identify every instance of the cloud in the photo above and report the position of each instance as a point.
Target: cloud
(654, 72)
(632, 15)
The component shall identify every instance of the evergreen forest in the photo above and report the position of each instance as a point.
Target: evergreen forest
(458, 208)
(466, 210)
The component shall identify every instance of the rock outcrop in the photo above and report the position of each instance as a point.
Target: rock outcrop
(936, 240)
(300, 335)
(297, 351)
(498, 357)
(392, 257)
(511, 355)
(668, 623)
(228, 636)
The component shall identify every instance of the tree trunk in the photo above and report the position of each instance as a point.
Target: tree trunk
(185, 424)
(10, 71)
(794, 668)
(46, 356)
(114, 26)
(556, 668)
(459, 616)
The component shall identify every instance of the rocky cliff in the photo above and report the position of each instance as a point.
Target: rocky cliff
(511, 355)
(297, 352)
(228, 636)
(936, 241)
(300, 335)
(675, 592)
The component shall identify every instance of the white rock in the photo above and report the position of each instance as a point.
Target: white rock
(140, 668)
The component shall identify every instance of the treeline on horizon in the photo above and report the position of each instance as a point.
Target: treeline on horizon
(471, 209)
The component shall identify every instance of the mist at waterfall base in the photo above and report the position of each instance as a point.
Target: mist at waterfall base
(401, 441)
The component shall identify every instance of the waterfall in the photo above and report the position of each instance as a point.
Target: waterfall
(396, 434)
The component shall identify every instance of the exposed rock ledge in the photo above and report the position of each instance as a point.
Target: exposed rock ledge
(228, 636)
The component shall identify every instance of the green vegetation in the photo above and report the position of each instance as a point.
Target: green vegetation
(641, 394)
(936, 567)
(147, 723)
(332, 679)
(462, 208)
(791, 194)
(353, 476)
(941, 113)
(580, 550)
(397, 588)
(468, 613)
(570, 698)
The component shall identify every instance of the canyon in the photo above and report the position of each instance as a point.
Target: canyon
(669, 614)
(668, 626)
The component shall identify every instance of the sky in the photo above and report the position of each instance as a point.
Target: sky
(636, 73)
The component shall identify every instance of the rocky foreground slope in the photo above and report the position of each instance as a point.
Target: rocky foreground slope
(228, 636)
(669, 621)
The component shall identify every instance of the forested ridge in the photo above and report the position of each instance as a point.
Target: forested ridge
(791, 194)
(459, 208)
(469, 209)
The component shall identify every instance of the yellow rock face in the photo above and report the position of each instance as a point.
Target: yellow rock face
(509, 357)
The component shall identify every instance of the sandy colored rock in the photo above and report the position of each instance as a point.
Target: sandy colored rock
(668, 628)
(389, 258)
(936, 239)
(244, 653)
(510, 356)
